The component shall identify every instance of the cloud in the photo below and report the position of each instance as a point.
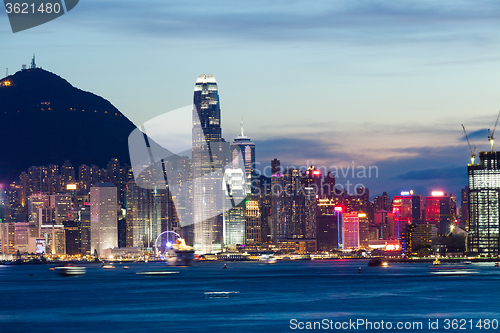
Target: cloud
(347, 21)
(431, 174)
(482, 134)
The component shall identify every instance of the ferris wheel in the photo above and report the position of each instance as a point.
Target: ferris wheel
(165, 242)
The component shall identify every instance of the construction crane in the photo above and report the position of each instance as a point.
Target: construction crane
(491, 133)
(473, 154)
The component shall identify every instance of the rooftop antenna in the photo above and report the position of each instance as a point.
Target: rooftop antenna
(242, 126)
(33, 64)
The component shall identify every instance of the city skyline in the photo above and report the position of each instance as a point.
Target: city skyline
(376, 83)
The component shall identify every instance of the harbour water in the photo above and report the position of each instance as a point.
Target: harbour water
(262, 298)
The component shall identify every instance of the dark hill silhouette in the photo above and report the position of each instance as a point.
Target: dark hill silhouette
(45, 120)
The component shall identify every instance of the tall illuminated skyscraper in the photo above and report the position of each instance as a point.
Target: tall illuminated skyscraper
(484, 205)
(103, 217)
(210, 154)
(234, 217)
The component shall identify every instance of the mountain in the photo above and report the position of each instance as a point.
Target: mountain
(45, 120)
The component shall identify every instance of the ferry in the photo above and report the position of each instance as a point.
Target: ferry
(221, 294)
(452, 271)
(71, 270)
(267, 259)
(180, 254)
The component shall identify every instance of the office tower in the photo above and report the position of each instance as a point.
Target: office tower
(275, 167)
(438, 211)
(364, 230)
(8, 238)
(148, 214)
(55, 238)
(21, 236)
(293, 182)
(422, 236)
(253, 217)
(338, 213)
(83, 219)
(313, 179)
(61, 203)
(247, 149)
(329, 185)
(310, 227)
(350, 231)
(279, 227)
(407, 209)
(210, 155)
(327, 225)
(73, 237)
(484, 205)
(384, 222)
(235, 186)
(35, 202)
(464, 209)
(4, 205)
(383, 202)
(103, 217)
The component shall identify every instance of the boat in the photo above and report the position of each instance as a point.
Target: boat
(467, 262)
(108, 266)
(436, 262)
(268, 259)
(221, 294)
(378, 262)
(496, 265)
(157, 272)
(71, 270)
(452, 271)
(180, 254)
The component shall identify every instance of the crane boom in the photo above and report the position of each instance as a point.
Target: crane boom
(473, 154)
(491, 133)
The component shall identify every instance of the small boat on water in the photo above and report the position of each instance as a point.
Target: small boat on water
(221, 294)
(71, 270)
(452, 271)
(377, 262)
(497, 265)
(108, 266)
(267, 259)
(157, 272)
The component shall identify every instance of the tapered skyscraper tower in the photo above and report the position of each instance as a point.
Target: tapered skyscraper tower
(210, 155)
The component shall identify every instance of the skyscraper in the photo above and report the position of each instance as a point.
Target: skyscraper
(103, 217)
(407, 209)
(247, 149)
(210, 153)
(234, 217)
(484, 205)
(438, 212)
(350, 231)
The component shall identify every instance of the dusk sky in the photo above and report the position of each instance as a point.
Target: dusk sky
(334, 83)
